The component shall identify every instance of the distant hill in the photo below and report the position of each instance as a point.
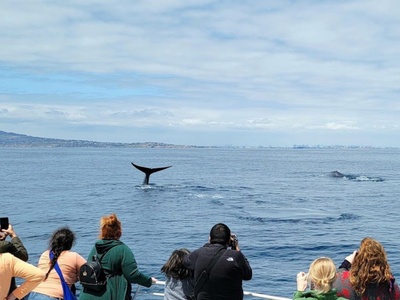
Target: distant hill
(9, 139)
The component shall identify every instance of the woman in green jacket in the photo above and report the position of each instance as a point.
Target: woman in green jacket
(320, 277)
(116, 259)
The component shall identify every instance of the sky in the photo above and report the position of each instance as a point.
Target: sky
(202, 72)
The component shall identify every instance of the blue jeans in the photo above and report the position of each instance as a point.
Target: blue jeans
(38, 296)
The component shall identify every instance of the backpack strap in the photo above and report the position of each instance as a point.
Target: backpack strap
(98, 257)
(199, 286)
(215, 260)
(67, 292)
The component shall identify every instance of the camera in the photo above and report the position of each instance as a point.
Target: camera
(233, 241)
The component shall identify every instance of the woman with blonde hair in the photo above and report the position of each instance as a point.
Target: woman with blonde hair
(118, 263)
(366, 274)
(320, 277)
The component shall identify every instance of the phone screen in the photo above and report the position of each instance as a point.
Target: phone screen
(4, 223)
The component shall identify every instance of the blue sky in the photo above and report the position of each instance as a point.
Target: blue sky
(199, 72)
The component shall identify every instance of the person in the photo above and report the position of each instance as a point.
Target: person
(225, 278)
(14, 246)
(118, 261)
(60, 244)
(179, 280)
(321, 275)
(365, 274)
(11, 266)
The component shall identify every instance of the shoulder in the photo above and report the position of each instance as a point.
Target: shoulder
(303, 295)
(70, 253)
(45, 256)
(343, 275)
(6, 256)
(342, 281)
(8, 261)
(121, 247)
(235, 254)
(73, 256)
(121, 250)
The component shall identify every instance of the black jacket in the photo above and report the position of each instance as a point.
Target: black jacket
(225, 281)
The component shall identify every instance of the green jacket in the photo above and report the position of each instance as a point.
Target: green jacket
(119, 260)
(16, 248)
(311, 295)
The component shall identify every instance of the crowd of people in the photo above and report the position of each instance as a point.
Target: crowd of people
(215, 271)
(44, 282)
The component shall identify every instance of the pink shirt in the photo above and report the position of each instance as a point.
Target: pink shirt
(10, 266)
(69, 263)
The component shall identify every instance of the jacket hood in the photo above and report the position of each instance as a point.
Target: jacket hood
(103, 246)
(331, 295)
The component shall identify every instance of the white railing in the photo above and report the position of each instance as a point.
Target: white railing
(251, 294)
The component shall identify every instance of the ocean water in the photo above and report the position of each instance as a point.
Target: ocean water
(282, 203)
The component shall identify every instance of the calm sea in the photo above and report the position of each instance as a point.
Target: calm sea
(281, 203)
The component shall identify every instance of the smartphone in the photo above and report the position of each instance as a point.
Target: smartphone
(4, 223)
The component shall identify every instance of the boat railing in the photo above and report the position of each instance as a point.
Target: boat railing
(248, 294)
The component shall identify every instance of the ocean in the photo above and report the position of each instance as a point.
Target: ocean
(284, 207)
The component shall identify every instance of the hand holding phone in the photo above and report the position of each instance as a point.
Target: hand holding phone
(302, 281)
(350, 258)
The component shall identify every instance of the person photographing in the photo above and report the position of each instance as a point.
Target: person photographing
(320, 278)
(219, 266)
(13, 246)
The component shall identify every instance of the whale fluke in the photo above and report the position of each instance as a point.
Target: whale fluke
(148, 171)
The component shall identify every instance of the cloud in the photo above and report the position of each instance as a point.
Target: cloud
(267, 66)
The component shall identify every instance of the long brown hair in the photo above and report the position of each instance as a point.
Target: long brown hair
(369, 266)
(110, 228)
(174, 266)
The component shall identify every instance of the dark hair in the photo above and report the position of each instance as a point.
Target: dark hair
(110, 228)
(61, 240)
(174, 266)
(220, 234)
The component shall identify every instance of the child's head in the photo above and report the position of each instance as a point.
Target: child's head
(174, 266)
(322, 273)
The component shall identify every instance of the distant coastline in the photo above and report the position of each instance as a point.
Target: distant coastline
(10, 139)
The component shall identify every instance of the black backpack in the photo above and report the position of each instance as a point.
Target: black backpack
(92, 276)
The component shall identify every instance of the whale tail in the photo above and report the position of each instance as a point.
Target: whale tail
(148, 171)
